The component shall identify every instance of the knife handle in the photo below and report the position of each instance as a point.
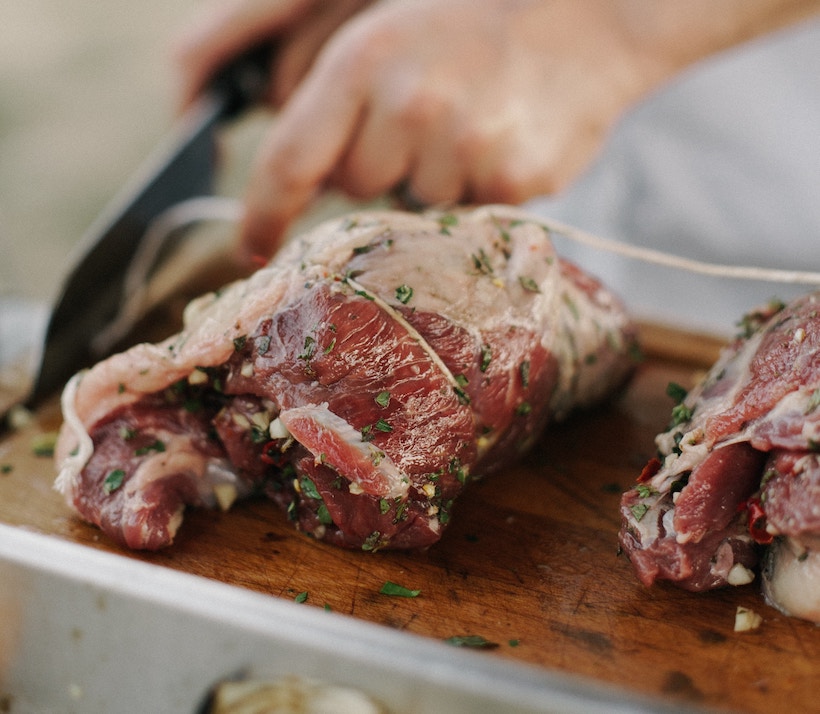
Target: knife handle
(242, 82)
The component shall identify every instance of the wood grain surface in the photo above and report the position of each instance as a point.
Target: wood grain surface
(530, 561)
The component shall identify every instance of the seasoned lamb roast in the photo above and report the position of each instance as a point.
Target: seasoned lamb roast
(737, 483)
(360, 380)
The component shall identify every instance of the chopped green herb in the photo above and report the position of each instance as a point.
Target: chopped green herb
(309, 488)
(476, 641)
(528, 284)
(239, 343)
(367, 432)
(813, 403)
(373, 542)
(573, 308)
(505, 236)
(362, 249)
(156, 445)
(301, 597)
(382, 398)
(455, 467)
(753, 321)
(309, 349)
(514, 643)
(43, 445)
(382, 425)
(462, 380)
(674, 390)
(384, 505)
(6, 468)
(681, 414)
(404, 293)
(446, 221)
(524, 369)
(481, 262)
(486, 357)
(523, 409)
(126, 433)
(398, 591)
(639, 510)
(323, 515)
(113, 481)
(644, 491)
(366, 295)
(463, 397)
(329, 348)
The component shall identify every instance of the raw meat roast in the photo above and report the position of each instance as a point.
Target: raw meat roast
(360, 380)
(738, 479)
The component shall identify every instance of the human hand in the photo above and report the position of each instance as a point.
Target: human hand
(297, 29)
(465, 100)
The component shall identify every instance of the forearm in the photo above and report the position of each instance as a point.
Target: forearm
(668, 35)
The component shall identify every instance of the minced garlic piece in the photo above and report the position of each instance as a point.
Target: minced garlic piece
(277, 429)
(261, 421)
(197, 377)
(739, 575)
(225, 494)
(746, 619)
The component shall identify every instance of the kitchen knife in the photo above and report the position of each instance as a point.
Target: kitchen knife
(181, 168)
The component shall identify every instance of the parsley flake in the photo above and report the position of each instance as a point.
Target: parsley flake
(486, 357)
(446, 221)
(309, 488)
(113, 481)
(394, 590)
(524, 370)
(674, 390)
(476, 641)
(404, 293)
(382, 425)
(528, 284)
(156, 445)
(481, 262)
(639, 510)
(43, 445)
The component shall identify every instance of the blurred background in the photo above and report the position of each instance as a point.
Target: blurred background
(86, 92)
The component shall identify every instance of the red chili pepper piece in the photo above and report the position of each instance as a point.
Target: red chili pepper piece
(651, 468)
(271, 454)
(757, 521)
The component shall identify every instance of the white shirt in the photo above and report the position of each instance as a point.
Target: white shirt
(723, 165)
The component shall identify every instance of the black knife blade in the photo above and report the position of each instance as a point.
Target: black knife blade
(181, 168)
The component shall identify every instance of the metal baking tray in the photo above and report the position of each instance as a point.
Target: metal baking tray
(88, 631)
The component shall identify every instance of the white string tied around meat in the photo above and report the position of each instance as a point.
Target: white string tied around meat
(657, 257)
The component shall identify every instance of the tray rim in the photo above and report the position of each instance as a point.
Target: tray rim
(43, 573)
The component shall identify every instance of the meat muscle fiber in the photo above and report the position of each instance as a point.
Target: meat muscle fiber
(739, 482)
(360, 380)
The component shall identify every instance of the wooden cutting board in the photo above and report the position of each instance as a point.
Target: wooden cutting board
(530, 562)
